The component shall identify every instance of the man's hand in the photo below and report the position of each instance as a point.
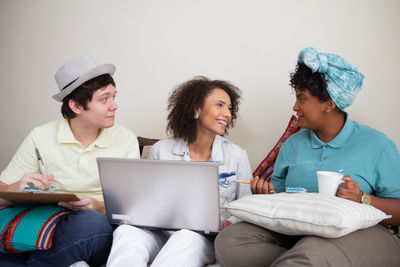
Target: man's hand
(86, 203)
(260, 186)
(350, 190)
(39, 181)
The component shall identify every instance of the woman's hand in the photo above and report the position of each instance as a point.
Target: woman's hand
(85, 203)
(225, 224)
(39, 181)
(350, 190)
(260, 186)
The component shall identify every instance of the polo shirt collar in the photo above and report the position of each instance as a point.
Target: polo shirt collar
(181, 148)
(339, 140)
(65, 135)
(103, 140)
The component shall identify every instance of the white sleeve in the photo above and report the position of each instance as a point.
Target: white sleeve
(243, 173)
(155, 151)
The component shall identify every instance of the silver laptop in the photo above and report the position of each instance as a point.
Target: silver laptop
(159, 194)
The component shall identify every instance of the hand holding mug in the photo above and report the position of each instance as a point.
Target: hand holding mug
(350, 190)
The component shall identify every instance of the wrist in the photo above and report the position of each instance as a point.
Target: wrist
(365, 198)
(101, 207)
(360, 195)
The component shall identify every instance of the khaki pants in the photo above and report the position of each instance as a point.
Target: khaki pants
(245, 244)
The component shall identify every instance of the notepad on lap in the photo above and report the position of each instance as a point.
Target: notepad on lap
(158, 194)
(34, 198)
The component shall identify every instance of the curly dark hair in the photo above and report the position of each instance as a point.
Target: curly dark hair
(189, 96)
(316, 83)
(83, 94)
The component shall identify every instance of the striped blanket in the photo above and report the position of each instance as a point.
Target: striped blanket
(25, 227)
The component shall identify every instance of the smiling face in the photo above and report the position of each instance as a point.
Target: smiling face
(100, 112)
(215, 114)
(309, 109)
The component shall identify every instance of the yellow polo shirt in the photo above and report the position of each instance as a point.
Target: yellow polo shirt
(74, 167)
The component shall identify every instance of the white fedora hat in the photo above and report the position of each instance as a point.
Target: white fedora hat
(77, 71)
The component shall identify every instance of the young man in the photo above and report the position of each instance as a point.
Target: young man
(69, 148)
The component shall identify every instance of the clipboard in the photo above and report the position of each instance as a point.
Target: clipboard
(37, 198)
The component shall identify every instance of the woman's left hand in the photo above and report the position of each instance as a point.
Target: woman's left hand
(225, 224)
(350, 190)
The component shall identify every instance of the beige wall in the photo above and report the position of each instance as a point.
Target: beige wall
(158, 44)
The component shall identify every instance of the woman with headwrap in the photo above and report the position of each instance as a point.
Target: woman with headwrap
(325, 84)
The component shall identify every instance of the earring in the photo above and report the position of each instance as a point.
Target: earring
(196, 116)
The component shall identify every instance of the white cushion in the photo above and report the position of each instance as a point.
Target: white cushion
(306, 213)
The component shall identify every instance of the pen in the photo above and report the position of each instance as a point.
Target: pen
(41, 168)
(243, 182)
(41, 165)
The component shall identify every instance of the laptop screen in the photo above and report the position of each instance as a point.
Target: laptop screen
(159, 194)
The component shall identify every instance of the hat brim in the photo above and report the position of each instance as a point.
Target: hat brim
(93, 73)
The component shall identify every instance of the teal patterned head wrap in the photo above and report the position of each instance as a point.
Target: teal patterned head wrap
(344, 80)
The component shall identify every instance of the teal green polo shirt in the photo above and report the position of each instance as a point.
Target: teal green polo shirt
(366, 155)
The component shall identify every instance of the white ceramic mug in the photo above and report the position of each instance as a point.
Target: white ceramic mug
(328, 182)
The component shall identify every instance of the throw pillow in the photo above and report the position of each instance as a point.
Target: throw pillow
(306, 213)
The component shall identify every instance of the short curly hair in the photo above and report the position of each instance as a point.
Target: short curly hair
(316, 83)
(188, 97)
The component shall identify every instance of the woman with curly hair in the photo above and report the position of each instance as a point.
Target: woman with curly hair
(200, 112)
(325, 84)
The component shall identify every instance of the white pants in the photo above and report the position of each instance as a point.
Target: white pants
(133, 246)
